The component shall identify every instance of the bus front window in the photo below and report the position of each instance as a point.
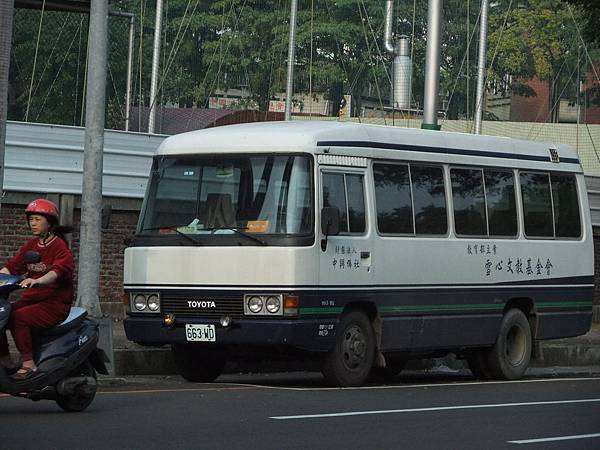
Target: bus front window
(258, 193)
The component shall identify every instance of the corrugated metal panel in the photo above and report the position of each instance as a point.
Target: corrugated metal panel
(593, 190)
(49, 158)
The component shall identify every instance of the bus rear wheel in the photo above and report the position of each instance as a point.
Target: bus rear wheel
(198, 364)
(349, 362)
(509, 358)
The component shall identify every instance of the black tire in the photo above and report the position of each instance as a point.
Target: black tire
(80, 400)
(198, 364)
(350, 360)
(509, 358)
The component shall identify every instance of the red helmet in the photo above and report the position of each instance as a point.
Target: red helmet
(43, 207)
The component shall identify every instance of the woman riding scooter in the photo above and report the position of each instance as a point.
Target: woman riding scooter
(49, 302)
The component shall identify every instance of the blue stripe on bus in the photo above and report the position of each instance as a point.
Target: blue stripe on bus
(449, 151)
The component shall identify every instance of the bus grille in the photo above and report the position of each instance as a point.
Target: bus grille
(200, 305)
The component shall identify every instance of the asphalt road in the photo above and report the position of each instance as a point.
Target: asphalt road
(294, 411)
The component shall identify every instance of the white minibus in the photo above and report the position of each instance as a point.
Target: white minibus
(362, 245)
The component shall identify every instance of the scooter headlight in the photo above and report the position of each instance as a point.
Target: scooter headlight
(139, 302)
(153, 302)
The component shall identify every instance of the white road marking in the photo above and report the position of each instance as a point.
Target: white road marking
(439, 408)
(557, 438)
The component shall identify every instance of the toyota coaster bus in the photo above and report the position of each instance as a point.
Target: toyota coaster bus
(362, 245)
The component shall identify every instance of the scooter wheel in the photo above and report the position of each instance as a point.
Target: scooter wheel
(78, 401)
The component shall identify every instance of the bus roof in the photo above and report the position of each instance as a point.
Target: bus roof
(314, 136)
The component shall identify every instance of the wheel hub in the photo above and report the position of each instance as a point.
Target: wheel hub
(354, 347)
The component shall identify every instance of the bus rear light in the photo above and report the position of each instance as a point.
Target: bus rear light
(291, 304)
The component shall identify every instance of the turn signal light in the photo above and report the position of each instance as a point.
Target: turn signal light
(125, 299)
(291, 304)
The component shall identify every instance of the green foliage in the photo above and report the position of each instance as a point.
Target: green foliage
(225, 44)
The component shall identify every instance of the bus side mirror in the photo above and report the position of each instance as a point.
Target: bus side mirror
(330, 224)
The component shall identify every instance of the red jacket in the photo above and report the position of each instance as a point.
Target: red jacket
(55, 256)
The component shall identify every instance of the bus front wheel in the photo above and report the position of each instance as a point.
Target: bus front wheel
(198, 364)
(350, 360)
(509, 358)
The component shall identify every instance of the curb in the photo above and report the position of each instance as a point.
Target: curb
(159, 361)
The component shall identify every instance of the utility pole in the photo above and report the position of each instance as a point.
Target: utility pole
(481, 72)
(6, 20)
(155, 63)
(91, 198)
(432, 65)
(289, 91)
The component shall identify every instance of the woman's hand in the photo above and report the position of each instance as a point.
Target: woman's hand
(49, 278)
(29, 282)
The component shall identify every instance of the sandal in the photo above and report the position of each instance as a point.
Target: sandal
(24, 373)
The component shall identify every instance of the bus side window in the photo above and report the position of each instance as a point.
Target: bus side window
(501, 205)
(393, 199)
(469, 202)
(429, 200)
(567, 221)
(537, 208)
(346, 192)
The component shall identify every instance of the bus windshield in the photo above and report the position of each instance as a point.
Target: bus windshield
(269, 194)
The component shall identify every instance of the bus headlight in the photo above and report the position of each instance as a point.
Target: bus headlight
(153, 303)
(146, 302)
(139, 302)
(273, 304)
(255, 304)
(263, 304)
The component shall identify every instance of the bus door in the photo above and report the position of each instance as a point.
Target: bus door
(346, 261)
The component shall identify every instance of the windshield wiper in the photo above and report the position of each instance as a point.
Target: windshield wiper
(239, 231)
(175, 229)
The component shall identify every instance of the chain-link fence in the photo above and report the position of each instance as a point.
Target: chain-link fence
(48, 67)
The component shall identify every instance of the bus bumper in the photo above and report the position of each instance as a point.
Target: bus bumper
(315, 335)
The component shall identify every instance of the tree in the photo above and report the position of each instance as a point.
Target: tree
(539, 40)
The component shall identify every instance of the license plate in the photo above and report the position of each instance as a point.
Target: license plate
(200, 333)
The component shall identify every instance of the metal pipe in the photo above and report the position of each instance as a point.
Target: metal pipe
(481, 71)
(432, 65)
(6, 22)
(291, 57)
(91, 196)
(155, 63)
(129, 73)
(388, 45)
(402, 74)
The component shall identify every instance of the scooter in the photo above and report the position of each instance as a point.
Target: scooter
(66, 356)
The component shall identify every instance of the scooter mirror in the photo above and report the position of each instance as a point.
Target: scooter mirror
(32, 257)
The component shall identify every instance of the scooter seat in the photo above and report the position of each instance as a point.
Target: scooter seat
(76, 316)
